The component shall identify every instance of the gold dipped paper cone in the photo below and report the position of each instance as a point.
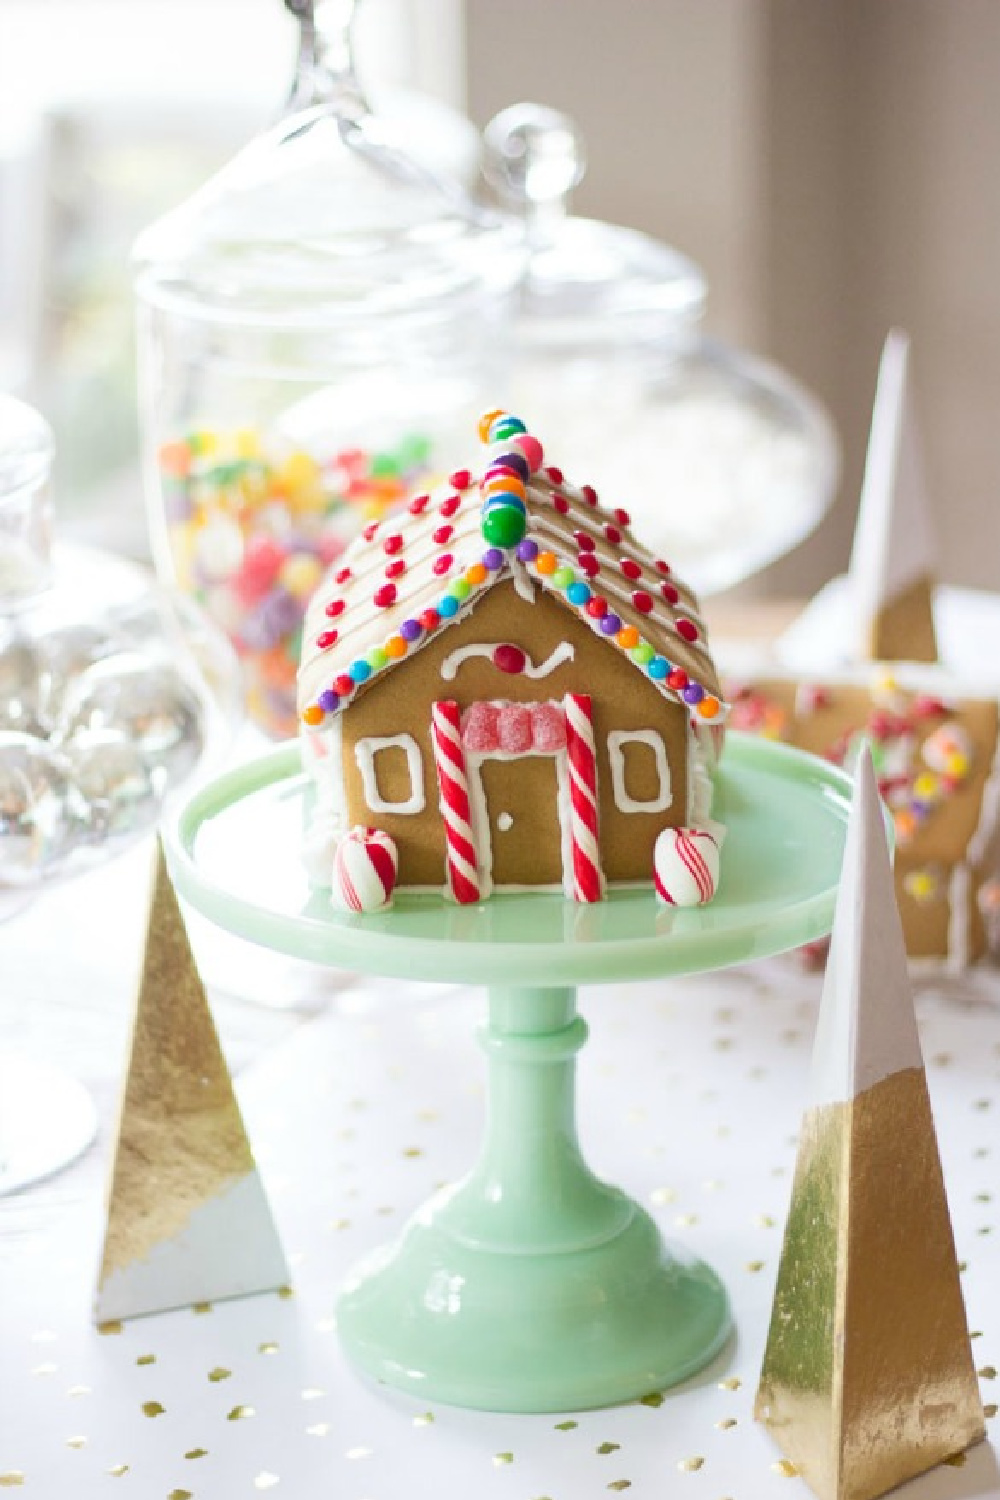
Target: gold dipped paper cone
(187, 1219)
(893, 557)
(868, 1377)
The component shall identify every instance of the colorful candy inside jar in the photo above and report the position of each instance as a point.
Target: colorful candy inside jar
(251, 527)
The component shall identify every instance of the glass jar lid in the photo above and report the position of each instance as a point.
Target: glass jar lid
(324, 217)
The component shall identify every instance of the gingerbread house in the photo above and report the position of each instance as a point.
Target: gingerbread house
(510, 686)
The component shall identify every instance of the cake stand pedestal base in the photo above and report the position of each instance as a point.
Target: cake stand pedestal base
(532, 1286)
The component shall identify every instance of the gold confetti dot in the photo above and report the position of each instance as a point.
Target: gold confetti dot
(981, 1152)
(412, 1151)
(691, 1465)
(663, 1195)
(312, 1393)
(975, 1333)
(723, 1044)
(285, 1292)
(240, 1413)
(78, 1390)
(424, 1419)
(712, 1185)
(385, 1210)
(990, 1410)
(146, 1359)
(785, 1468)
(982, 1104)
(268, 1348)
(685, 1221)
(764, 1221)
(76, 1442)
(620, 1484)
(11, 1479)
(153, 1409)
(193, 1453)
(731, 1383)
(942, 1059)
(985, 1229)
(339, 1224)
(753, 1266)
(428, 1116)
(265, 1480)
(499, 1459)
(652, 1398)
(725, 1423)
(180, 1495)
(566, 1426)
(201, 1308)
(118, 1471)
(988, 1372)
(956, 1460)
(219, 1373)
(608, 1447)
(318, 1429)
(113, 1326)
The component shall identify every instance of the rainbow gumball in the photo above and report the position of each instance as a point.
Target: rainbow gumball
(364, 871)
(686, 865)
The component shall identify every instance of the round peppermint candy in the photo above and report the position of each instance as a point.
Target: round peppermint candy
(364, 871)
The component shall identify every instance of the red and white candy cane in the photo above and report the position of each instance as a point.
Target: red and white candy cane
(453, 785)
(588, 879)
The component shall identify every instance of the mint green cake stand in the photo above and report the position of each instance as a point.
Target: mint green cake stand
(531, 1286)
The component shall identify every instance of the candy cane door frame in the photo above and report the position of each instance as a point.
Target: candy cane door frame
(501, 730)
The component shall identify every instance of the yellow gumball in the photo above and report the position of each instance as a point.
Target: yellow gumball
(300, 574)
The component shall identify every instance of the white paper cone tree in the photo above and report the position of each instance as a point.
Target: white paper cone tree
(868, 1377)
(892, 565)
(187, 1219)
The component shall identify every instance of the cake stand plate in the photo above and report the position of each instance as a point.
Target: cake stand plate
(530, 1286)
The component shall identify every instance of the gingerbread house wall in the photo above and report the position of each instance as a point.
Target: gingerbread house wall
(528, 851)
(940, 871)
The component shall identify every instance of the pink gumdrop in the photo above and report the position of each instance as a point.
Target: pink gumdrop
(530, 448)
(549, 728)
(480, 728)
(330, 548)
(515, 728)
(262, 559)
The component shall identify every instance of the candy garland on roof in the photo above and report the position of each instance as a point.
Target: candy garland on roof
(516, 455)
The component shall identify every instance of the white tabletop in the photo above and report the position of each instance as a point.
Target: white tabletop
(359, 1099)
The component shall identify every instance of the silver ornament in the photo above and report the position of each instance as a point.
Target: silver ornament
(20, 667)
(147, 700)
(64, 654)
(112, 776)
(42, 815)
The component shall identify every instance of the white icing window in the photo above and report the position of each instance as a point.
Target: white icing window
(617, 741)
(366, 753)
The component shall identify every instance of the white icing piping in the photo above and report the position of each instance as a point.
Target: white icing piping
(624, 803)
(365, 752)
(699, 780)
(563, 652)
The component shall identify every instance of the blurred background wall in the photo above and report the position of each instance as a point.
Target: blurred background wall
(832, 166)
(834, 169)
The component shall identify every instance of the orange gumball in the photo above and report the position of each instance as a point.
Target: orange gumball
(475, 575)
(486, 421)
(627, 637)
(313, 714)
(545, 563)
(708, 707)
(395, 647)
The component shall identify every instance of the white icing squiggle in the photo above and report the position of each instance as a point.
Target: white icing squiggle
(623, 801)
(365, 752)
(563, 652)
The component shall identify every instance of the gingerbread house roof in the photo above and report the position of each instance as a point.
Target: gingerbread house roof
(415, 572)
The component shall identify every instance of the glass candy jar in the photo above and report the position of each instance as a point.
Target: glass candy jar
(723, 461)
(111, 691)
(316, 326)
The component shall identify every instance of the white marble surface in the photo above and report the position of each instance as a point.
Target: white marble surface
(359, 1100)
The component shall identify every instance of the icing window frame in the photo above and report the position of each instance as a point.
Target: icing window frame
(365, 754)
(625, 803)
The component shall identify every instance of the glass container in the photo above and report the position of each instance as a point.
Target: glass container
(723, 461)
(316, 325)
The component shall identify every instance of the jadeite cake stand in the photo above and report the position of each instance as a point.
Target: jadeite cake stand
(531, 1286)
